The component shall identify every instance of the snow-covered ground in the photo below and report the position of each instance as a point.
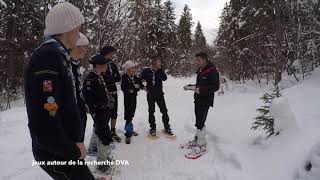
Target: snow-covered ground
(235, 152)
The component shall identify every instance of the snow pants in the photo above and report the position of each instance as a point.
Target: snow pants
(201, 112)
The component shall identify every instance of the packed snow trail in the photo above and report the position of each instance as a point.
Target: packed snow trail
(234, 151)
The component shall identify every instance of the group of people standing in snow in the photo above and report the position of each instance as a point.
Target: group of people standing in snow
(58, 100)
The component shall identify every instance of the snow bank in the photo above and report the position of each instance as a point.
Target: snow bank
(304, 100)
(311, 169)
(284, 120)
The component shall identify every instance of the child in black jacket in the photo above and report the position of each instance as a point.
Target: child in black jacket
(130, 86)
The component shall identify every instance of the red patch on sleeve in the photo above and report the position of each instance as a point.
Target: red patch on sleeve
(47, 86)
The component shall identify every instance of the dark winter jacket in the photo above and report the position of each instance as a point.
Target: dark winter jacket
(95, 95)
(94, 92)
(80, 101)
(110, 82)
(208, 83)
(112, 76)
(130, 85)
(53, 132)
(154, 81)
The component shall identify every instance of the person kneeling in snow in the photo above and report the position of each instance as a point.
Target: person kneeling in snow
(100, 103)
(207, 84)
(130, 85)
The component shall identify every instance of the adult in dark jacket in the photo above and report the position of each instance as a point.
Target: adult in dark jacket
(112, 76)
(207, 84)
(154, 77)
(130, 86)
(97, 98)
(53, 114)
(78, 54)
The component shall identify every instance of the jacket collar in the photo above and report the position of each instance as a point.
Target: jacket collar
(208, 68)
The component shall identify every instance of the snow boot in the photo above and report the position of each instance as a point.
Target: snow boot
(153, 132)
(135, 133)
(168, 132)
(104, 154)
(115, 136)
(193, 143)
(201, 141)
(128, 140)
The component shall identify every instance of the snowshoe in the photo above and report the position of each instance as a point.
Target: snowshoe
(153, 134)
(196, 152)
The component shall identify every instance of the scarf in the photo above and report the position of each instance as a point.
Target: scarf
(63, 51)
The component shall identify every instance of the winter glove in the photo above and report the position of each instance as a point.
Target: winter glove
(190, 87)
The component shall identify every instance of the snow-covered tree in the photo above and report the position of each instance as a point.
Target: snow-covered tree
(264, 121)
(184, 29)
(200, 42)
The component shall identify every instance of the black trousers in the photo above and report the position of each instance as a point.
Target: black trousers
(114, 110)
(63, 172)
(201, 112)
(130, 105)
(152, 100)
(101, 126)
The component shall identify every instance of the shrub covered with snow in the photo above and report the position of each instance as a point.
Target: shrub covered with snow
(283, 116)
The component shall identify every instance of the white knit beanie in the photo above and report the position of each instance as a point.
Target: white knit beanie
(83, 40)
(63, 18)
(128, 65)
